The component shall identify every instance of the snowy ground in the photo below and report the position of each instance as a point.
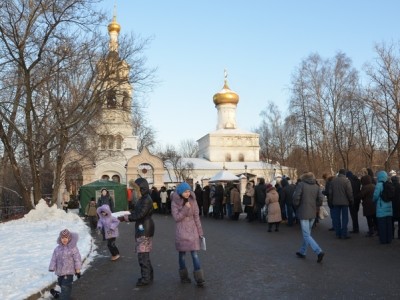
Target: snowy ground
(26, 247)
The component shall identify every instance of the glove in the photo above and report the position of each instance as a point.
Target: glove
(121, 218)
(78, 275)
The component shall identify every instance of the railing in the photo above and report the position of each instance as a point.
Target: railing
(8, 213)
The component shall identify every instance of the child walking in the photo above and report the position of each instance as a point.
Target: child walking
(91, 213)
(65, 262)
(108, 224)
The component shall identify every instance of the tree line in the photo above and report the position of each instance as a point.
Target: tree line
(338, 116)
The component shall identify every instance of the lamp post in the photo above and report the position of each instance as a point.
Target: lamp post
(245, 170)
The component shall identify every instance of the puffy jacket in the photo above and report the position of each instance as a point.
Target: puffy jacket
(143, 210)
(307, 197)
(108, 222)
(383, 209)
(340, 191)
(188, 226)
(66, 259)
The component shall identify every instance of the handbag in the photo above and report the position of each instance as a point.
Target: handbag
(246, 200)
(323, 213)
(203, 243)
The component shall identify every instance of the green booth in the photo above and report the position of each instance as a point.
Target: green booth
(117, 191)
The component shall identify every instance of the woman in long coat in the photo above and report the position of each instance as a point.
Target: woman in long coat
(235, 201)
(251, 208)
(366, 195)
(273, 208)
(188, 233)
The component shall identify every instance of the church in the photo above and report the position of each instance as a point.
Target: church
(117, 158)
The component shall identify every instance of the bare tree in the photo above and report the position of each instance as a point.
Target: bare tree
(174, 162)
(188, 148)
(52, 87)
(384, 96)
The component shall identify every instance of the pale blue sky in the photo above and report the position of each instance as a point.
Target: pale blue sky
(260, 43)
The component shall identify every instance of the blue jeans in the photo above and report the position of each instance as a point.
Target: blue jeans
(340, 220)
(290, 214)
(195, 258)
(229, 210)
(65, 282)
(306, 226)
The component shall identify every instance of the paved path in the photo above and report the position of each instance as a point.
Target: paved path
(244, 261)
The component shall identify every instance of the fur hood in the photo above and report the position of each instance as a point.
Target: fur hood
(72, 242)
(308, 178)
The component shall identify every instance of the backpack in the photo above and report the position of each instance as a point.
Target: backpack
(388, 193)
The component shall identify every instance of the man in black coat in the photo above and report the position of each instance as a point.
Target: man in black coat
(356, 186)
(260, 192)
(287, 198)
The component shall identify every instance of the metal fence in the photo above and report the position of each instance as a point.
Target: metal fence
(11, 205)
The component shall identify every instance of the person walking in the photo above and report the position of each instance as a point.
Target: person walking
(188, 231)
(307, 198)
(341, 193)
(65, 262)
(144, 231)
(384, 210)
(108, 225)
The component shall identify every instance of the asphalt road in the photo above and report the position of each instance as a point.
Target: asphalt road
(244, 261)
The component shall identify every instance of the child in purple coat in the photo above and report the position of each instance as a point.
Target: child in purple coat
(108, 224)
(65, 262)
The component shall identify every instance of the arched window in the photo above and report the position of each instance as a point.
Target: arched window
(118, 142)
(228, 157)
(105, 177)
(103, 142)
(111, 99)
(110, 142)
(126, 101)
(241, 157)
(116, 178)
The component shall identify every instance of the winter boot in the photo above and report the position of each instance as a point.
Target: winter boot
(146, 269)
(55, 292)
(184, 276)
(199, 277)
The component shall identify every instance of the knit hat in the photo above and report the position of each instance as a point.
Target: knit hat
(65, 234)
(182, 187)
(269, 187)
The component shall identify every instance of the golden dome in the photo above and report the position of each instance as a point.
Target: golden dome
(226, 95)
(114, 26)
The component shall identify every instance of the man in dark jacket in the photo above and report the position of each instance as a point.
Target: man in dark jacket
(260, 192)
(307, 198)
(341, 193)
(356, 186)
(287, 198)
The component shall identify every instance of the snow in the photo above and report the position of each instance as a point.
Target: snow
(27, 245)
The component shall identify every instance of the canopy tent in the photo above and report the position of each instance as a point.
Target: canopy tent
(224, 176)
(117, 191)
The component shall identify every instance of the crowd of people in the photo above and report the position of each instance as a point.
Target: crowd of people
(271, 203)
